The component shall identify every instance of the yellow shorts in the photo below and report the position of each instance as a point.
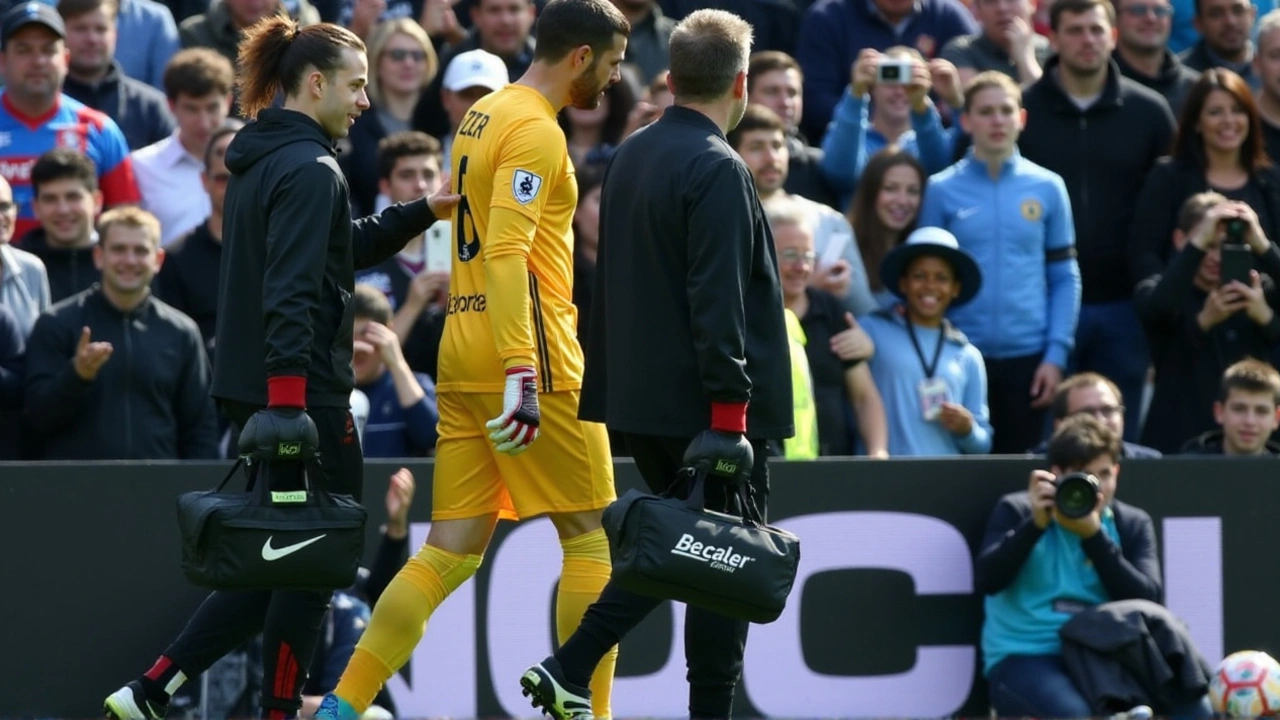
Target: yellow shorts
(569, 468)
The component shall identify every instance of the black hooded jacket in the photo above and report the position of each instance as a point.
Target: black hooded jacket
(70, 270)
(289, 256)
(1103, 154)
(1173, 81)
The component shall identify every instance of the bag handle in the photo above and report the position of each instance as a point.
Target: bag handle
(747, 500)
(689, 480)
(312, 478)
(312, 482)
(743, 494)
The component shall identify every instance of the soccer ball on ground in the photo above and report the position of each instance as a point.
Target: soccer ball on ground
(1246, 685)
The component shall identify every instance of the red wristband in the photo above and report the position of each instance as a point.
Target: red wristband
(729, 417)
(287, 391)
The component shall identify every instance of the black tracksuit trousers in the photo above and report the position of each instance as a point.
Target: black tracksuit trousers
(714, 644)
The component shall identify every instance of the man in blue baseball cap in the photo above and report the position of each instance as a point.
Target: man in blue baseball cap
(30, 13)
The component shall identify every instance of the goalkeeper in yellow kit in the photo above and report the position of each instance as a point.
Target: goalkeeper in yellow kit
(511, 445)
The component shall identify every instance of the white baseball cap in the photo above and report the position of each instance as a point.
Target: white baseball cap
(475, 68)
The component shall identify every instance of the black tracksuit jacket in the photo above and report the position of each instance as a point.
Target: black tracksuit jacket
(687, 308)
(150, 400)
(289, 255)
(187, 282)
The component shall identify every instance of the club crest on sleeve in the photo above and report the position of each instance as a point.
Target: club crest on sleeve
(71, 138)
(525, 186)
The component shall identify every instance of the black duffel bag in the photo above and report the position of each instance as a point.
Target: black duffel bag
(674, 548)
(294, 536)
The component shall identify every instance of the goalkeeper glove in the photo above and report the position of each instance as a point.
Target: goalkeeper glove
(517, 427)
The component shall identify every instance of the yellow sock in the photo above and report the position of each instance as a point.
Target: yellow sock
(399, 619)
(586, 570)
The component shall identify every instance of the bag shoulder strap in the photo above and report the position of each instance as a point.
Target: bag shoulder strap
(231, 473)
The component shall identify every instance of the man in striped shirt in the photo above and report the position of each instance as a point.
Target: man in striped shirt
(35, 117)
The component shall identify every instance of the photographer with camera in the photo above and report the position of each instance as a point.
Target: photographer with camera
(887, 103)
(1064, 545)
(1213, 306)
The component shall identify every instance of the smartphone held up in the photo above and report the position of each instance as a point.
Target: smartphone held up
(1237, 258)
(437, 246)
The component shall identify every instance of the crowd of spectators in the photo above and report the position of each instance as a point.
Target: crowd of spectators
(1077, 226)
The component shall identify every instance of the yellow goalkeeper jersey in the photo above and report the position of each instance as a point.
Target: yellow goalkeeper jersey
(510, 163)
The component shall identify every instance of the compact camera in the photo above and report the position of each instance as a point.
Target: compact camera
(893, 71)
(1077, 494)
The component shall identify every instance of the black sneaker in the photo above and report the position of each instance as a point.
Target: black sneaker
(546, 688)
(131, 703)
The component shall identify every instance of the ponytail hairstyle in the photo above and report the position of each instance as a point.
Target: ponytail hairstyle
(276, 53)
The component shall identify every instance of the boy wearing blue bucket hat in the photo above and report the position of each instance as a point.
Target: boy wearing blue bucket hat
(931, 378)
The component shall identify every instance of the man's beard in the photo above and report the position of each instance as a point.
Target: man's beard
(1145, 50)
(90, 68)
(1080, 70)
(585, 91)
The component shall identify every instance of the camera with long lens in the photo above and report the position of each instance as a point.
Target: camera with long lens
(1077, 494)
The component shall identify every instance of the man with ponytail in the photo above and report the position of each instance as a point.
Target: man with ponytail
(511, 445)
(283, 369)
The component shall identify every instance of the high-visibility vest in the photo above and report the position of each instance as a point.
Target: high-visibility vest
(804, 446)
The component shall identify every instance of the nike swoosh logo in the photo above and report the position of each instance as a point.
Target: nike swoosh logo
(966, 212)
(271, 554)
